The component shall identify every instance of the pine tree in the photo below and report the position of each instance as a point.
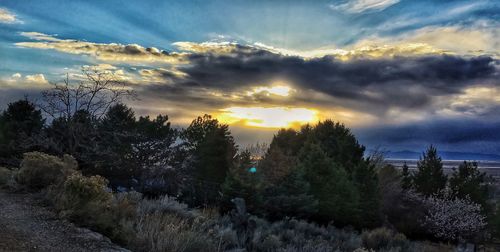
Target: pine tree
(290, 198)
(19, 123)
(468, 181)
(337, 195)
(429, 178)
(211, 151)
(406, 177)
(243, 183)
(366, 181)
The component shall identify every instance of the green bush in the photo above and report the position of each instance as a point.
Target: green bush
(39, 170)
(5, 176)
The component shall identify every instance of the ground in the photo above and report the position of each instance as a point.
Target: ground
(26, 225)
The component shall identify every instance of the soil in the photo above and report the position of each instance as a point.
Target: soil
(27, 225)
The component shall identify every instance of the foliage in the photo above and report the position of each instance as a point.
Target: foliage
(241, 183)
(291, 198)
(20, 123)
(212, 149)
(406, 177)
(453, 218)
(429, 178)
(366, 181)
(389, 180)
(469, 182)
(276, 165)
(384, 239)
(337, 196)
(39, 170)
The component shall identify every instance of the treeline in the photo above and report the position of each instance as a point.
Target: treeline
(318, 173)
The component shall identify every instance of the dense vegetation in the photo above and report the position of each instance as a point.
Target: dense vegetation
(103, 167)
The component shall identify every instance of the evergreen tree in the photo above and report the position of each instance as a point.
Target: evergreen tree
(339, 143)
(211, 149)
(366, 181)
(276, 165)
(406, 177)
(337, 196)
(429, 178)
(468, 181)
(19, 124)
(290, 198)
(113, 158)
(242, 182)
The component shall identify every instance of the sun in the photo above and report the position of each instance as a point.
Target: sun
(268, 117)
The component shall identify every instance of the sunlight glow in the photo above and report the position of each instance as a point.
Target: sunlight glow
(275, 90)
(272, 117)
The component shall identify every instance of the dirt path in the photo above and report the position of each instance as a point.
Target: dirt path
(25, 225)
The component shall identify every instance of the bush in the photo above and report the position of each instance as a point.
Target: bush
(5, 176)
(384, 239)
(39, 170)
(87, 201)
(170, 232)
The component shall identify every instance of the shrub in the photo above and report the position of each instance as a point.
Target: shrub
(383, 238)
(170, 232)
(87, 201)
(39, 170)
(5, 176)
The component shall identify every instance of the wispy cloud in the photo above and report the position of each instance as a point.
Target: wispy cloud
(8, 17)
(358, 6)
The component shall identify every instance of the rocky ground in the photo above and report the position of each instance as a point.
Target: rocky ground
(26, 225)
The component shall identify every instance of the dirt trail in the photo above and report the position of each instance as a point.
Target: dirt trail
(25, 225)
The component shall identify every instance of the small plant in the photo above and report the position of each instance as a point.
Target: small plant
(39, 170)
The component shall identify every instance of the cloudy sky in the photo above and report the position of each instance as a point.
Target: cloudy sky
(402, 74)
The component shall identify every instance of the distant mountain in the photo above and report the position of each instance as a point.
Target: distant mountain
(446, 155)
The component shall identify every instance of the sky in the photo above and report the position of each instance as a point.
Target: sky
(401, 74)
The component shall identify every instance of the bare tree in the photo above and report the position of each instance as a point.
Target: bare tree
(95, 93)
(74, 104)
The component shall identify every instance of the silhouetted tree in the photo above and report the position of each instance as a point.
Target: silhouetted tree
(20, 123)
(429, 178)
(211, 151)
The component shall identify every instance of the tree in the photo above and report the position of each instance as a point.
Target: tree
(389, 183)
(114, 155)
(89, 99)
(211, 149)
(276, 165)
(366, 181)
(429, 178)
(95, 92)
(406, 177)
(337, 196)
(20, 124)
(290, 198)
(242, 182)
(339, 143)
(469, 182)
(452, 218)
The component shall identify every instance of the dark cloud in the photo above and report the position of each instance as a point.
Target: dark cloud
(449, 134)
(365, 84)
